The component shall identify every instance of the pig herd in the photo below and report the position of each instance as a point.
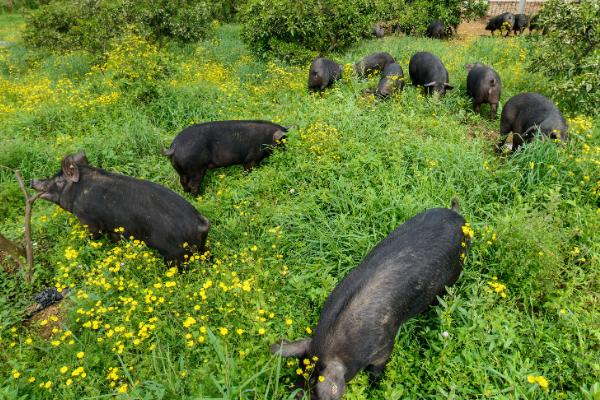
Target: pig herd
(399, 278)
(525, 115)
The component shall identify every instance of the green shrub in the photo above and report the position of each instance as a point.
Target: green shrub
(572, 28)
(90, 25)
(227, 10)
(296, 31)
(414, 18)
(304, 27)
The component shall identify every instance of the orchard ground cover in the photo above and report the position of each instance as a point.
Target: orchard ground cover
(522, 321)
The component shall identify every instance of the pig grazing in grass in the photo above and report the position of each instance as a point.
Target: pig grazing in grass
(428, 71)
(503, 21)
(323, 73)
(521, 22)
(391, 81)
(373, 64)
(436, 30)
(484, 86)
(397, 280)
(220, 144)
(105, 202)
(526, 113)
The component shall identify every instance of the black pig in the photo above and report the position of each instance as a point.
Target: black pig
(373, 64)
(503, 21)
(397, 280)
(378, 31)
(428, 71)
(391, 80)
(323, 73)
(219, 144)
(521, 22)
(436, 30)
(105, 201)
(525, 113)
(484, 86)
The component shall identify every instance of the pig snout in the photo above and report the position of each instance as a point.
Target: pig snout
(38, 185)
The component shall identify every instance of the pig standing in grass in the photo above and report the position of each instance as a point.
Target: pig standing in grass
(397, 280)
(378, 31)
(525, 114)
(436, 30)
(373, 64)
(483, 85)
(499, 22)
(391, 81)
(105, 201)
(428, 71)
(323, 73)
(521, 22)
(220, 144)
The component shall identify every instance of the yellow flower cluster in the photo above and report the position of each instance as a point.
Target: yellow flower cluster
(498, 287)
(321, 139)
(132, 58)
(538, 379)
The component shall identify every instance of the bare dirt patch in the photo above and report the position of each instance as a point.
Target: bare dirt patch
(53, 315)
(473, 28)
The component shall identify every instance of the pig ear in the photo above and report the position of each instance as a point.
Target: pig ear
(448, 86)
(430, 84)
(70, 169)
(469, 67)
(278, 135)
(80, 158)
(298, 348)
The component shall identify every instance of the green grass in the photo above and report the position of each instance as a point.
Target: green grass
(283, 235)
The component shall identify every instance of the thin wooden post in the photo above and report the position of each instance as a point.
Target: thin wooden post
(29, 200)
(521, 6)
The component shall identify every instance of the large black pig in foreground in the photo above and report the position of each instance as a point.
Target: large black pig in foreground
(398, 279)
(105, 201)
(484, 86)
(428, 71)
(219, 144)
(323, 73)
(525, 114)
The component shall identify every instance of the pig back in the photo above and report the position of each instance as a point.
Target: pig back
(221, 143)
(399, 278)
(147, 211)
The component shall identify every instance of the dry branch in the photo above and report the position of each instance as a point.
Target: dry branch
(29, 200)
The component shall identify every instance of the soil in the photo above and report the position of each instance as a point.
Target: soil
(55, 310)
(473, 28)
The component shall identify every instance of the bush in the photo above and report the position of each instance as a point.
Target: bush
(415, 17)
(573, 71)
(297, 31)
(90, 25)
(305, 28)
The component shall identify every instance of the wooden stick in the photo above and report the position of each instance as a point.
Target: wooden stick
(29, 200)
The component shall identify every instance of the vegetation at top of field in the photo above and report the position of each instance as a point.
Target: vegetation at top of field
(521, 322)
